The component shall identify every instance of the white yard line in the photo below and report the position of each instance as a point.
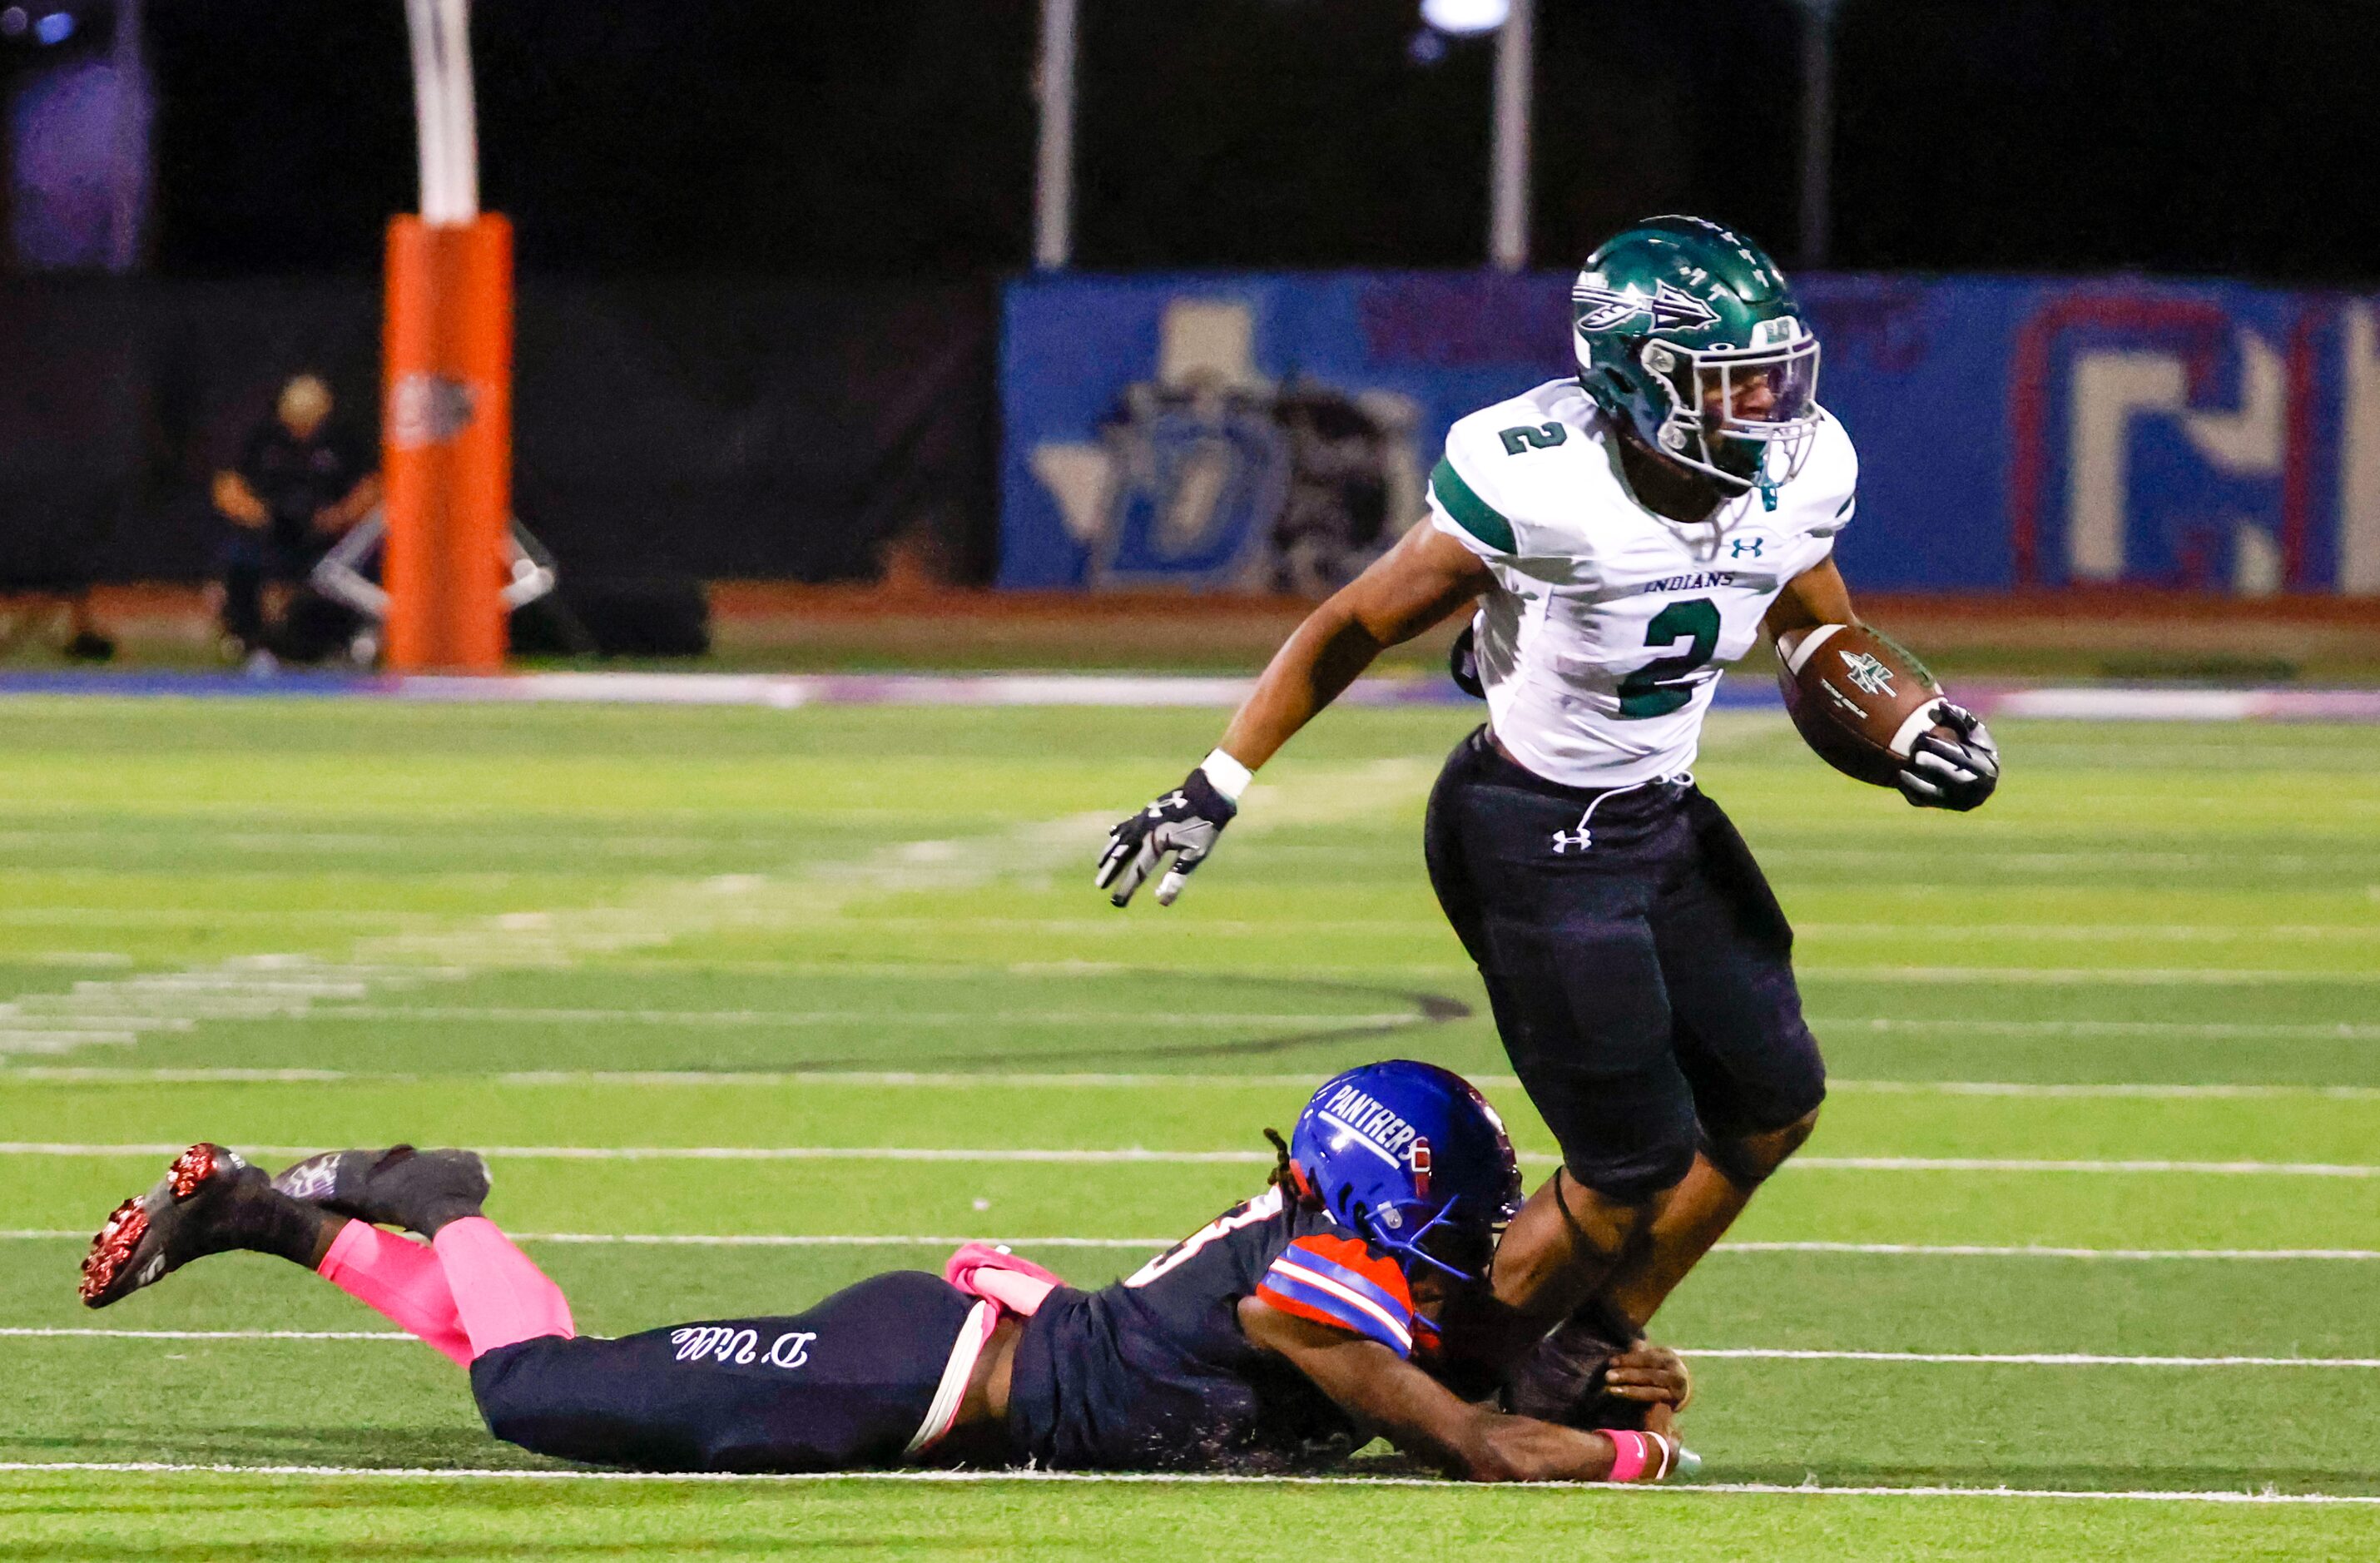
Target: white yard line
(22, 1333)
(2128, 976)
(722, 1240)
(2021, 1359)
(1139, 1155)
(2040, 1251)
(1996, 1164)
(1180, 1478)
(881, 1018)
(967, 1080)
(1936, 932)
(2049, 1089)
(1126, 1155)
(2068, 861)
(1743, 1353)
(2215, 1030)
(1151, 1244)
(975, 1080)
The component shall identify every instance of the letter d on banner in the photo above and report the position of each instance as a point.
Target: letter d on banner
(446, 441)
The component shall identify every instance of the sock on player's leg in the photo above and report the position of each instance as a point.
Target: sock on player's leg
(501, 1297)
(400, 1279)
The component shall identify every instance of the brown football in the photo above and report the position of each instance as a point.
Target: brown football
(1858, 699)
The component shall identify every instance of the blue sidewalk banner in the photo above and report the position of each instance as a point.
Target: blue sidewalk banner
(1229, 432)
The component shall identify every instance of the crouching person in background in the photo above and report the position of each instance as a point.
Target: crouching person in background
(298, 487)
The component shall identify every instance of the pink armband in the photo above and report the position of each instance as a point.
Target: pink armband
(1631, 1453)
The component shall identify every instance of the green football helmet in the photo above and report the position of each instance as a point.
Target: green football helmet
(1686, 333)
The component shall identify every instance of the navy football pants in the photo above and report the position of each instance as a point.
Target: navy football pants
(847, 1384)
(1639, 966)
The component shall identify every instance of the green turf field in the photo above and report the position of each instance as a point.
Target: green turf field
(2107, 1069)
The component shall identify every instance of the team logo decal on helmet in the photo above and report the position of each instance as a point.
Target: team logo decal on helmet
(1668, 307)
(1687, 334)
(1412, 1158)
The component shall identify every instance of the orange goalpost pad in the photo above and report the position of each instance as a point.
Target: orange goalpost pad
(446, 442)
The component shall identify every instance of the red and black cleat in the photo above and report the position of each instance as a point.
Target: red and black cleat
(163, 1230)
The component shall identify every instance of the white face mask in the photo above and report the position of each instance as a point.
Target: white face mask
(1742, 414)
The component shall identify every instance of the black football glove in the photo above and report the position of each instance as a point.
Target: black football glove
(1185, 822)
(1953, 773)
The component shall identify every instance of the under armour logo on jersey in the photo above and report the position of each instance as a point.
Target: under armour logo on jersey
(1581, 837)
(1747, 548)
(1668, 306)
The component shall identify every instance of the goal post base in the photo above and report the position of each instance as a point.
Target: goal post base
(446, 441)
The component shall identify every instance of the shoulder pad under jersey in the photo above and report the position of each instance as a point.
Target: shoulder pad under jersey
(1506, 464)
(1342, 1281)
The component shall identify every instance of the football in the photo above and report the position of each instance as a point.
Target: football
(1858, 699)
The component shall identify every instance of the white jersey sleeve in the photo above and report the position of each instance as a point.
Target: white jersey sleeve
(1500, 488)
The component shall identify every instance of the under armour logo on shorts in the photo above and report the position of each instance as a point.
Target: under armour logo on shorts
(1580, 838)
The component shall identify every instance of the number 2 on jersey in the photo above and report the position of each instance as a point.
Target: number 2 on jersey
(1543, 437)
(1659, 687)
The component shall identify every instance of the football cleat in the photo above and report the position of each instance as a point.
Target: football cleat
(399, 1186)
(174, 1223)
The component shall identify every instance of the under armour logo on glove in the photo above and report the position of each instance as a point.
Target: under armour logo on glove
(1185, 822)
(1953, 773)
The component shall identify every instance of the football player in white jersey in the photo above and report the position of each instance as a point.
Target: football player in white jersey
(1624, 534)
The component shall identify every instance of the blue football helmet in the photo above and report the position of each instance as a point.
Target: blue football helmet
(1412, 1158)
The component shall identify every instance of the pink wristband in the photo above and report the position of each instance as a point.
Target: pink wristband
(1630, 1454)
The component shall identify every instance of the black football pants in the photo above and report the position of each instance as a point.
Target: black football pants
(847, 1384)
(1639, 966)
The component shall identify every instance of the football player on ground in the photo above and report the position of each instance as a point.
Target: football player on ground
(1283, 1334)
(1624, 534)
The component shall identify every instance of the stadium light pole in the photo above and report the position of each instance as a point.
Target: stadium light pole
(1508, 220)
(1818, 128)
(128, 187)
(1053, 181)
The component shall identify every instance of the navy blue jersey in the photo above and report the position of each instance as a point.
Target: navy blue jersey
(1154, 1371)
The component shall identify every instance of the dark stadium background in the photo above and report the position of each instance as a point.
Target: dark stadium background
(653, 135)
(762, 247)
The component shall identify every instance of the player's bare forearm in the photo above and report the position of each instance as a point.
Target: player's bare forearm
(1422, 1417)
(1417, 584)
(1816, 596)
(1313, 667)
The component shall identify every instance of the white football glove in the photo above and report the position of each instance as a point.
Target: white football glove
(1946, 773)
(1185, 822)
